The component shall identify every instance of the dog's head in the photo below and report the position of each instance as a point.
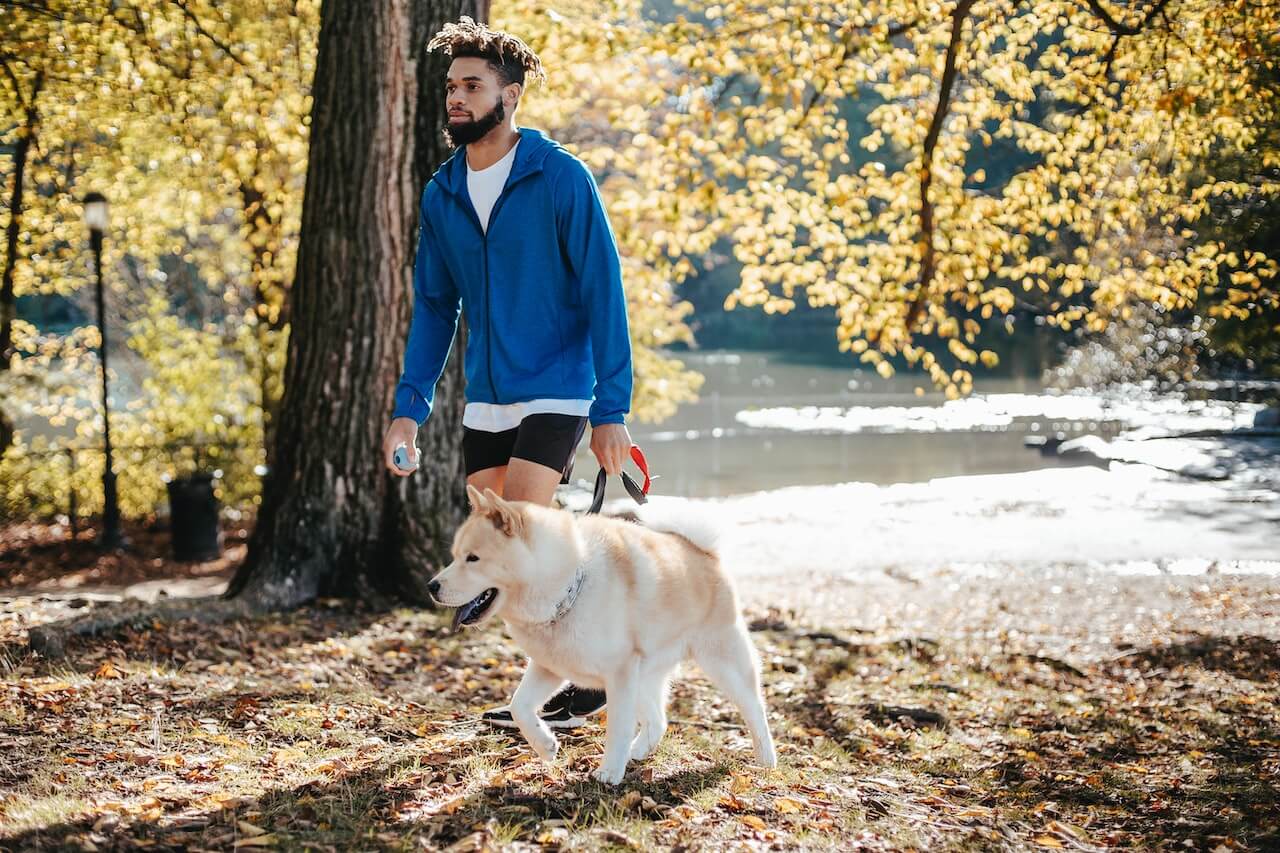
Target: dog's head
(489, 551)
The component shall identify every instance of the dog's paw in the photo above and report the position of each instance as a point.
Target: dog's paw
(609, 775)
(547, 748)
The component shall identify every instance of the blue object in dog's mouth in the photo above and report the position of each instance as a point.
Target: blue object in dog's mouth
(475, 608)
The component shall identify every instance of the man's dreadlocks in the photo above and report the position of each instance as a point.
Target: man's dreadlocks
(510, 57)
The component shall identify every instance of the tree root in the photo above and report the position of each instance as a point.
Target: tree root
(894, 713)
(50, 641)
(1053, 663)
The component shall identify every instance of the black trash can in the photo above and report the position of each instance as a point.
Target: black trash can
(193, 518)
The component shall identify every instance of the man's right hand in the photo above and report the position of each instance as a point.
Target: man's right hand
(402, 431)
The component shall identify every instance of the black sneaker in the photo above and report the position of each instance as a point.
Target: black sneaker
(568, 709)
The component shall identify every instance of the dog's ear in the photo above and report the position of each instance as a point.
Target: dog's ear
(504, 515)
(477, 500)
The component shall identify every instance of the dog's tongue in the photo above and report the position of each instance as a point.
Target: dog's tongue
(463, 612)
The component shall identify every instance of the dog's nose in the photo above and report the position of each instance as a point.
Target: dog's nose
(433, 588)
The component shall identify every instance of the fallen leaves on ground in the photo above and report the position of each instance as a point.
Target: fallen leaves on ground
(338, 727)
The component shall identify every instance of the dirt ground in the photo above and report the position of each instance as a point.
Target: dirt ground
(918, 707)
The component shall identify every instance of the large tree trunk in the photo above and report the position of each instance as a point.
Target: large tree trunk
(332, 521)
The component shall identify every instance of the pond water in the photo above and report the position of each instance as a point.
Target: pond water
(763, 422)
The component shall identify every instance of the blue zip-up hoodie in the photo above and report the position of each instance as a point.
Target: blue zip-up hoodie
(542, 289)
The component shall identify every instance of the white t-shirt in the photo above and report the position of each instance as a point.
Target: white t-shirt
(484, 187)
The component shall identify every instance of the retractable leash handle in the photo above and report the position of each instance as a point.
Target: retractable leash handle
(638, 493)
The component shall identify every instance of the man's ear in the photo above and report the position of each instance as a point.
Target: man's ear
(478, 503)
(504, 515)
(515, 90)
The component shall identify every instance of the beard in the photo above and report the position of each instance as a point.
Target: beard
(465, 132)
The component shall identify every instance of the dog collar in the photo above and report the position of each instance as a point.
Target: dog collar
(570, 597)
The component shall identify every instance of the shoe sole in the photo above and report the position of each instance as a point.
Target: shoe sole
(571, 723)
(505, 721)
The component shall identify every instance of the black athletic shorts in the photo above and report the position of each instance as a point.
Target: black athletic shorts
(546, 438)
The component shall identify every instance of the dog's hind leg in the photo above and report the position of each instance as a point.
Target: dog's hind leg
(729, 660)
(536, 687)
(621, 687)
(651, 708)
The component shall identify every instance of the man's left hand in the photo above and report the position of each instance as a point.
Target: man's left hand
(611, 443)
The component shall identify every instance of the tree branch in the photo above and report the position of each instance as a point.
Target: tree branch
(33, 6)
(1120, 28)
(846, 44)
(21, 151)
(13, 79)
(217, 42)
(928, 263)
(892, 32)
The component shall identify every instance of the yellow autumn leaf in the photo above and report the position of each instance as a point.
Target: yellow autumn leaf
(786, 805)
(107, 670)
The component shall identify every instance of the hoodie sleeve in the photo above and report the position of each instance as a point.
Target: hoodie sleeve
(592, 253)
(436, 305)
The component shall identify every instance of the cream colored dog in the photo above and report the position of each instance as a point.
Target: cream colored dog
(603, 603)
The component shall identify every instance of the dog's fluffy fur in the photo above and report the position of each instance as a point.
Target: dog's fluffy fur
(648, 596)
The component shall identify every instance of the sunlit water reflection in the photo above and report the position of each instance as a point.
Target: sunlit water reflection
(763, 423)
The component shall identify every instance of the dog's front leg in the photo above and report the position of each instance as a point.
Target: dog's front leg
(536, 687)
(621, 688)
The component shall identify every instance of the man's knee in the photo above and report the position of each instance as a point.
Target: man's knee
(529, 481)
(489, 478)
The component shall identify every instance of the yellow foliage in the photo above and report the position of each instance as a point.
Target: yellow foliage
(193, 120)
(193, 124)
(1116, 179)
(724, 125)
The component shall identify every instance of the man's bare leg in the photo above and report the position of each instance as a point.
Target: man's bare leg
(489, 478)
(529, 481)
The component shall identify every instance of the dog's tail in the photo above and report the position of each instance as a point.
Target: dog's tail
(683, 518)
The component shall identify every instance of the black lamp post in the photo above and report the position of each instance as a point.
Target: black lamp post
(95, 216)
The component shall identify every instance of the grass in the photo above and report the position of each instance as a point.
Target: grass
(340, 728)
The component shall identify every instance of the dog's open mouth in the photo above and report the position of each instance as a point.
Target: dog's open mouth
(471, 612)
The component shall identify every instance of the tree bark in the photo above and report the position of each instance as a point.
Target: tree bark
(333, 521)
(258, 217)
(8, 300)
(21, 150)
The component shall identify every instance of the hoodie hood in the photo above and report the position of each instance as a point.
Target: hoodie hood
(531, 154)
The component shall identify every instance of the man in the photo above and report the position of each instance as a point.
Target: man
(513, 232)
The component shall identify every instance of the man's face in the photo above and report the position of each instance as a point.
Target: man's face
(474, 100)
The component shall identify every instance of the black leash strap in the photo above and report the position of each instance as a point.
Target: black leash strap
(638, 493)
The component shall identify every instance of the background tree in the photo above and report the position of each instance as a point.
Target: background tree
(197, 130)
(912, 247)
(191, 117)
(1248, 219)
(333, 521)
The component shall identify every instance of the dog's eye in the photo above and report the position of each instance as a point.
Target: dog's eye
(471, 558)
